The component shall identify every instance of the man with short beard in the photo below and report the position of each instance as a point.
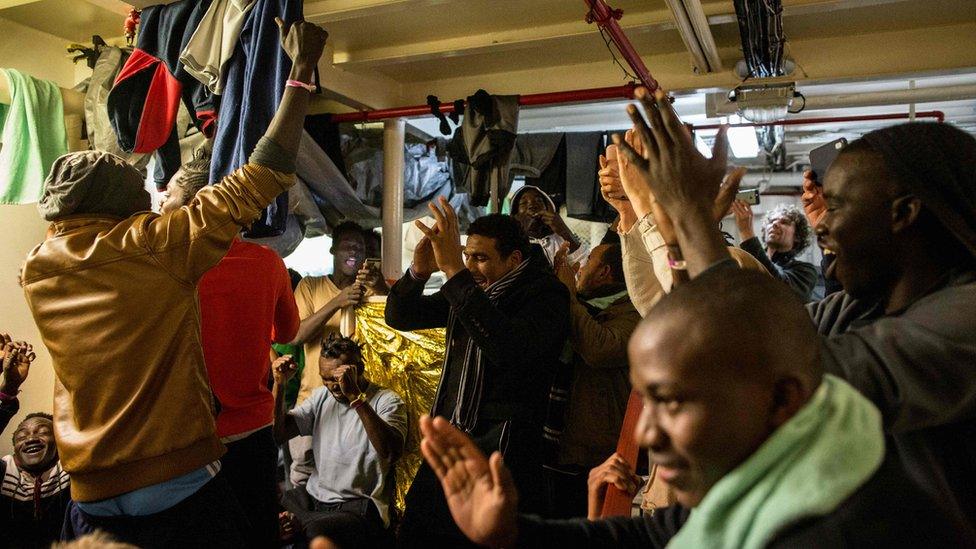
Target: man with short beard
(507, 320)
(900, 216)
(34, 489)
(761, 448)
(593, 392)
(785, 234)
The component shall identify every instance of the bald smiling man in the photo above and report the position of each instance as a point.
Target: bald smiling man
(766, 449)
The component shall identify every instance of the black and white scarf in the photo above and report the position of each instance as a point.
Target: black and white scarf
(468, 403)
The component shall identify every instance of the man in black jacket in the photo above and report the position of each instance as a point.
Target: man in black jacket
(785, 234)
(767, 449)
(507, 318)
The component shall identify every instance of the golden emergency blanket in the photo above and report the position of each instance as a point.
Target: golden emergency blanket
(410, 364)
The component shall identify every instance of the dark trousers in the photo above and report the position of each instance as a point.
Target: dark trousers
(349, 524)
(566, 488)
(250, 466)
(209, 518)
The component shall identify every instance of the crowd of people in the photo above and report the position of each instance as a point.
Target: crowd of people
(205, 397)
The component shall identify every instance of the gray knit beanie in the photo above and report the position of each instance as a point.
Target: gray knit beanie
(95, 183)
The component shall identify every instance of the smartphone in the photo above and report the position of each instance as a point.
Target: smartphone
(749, 196)
(823, 156)
(371, 262)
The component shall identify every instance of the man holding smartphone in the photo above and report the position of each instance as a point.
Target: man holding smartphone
(785, 234)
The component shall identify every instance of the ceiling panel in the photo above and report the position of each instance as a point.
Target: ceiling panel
(73, 20)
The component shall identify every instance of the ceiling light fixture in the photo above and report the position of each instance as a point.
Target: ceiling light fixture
(764, 103)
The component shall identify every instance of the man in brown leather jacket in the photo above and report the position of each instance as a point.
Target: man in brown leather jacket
(113, 293)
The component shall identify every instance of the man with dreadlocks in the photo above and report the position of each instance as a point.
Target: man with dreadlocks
(786, 234)
(901, 218)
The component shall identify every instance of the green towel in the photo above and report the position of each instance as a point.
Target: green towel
(807, 468)
(33, 137)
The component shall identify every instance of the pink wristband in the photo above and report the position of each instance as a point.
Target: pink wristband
(299, 84)
(5, 396)
(678, 264)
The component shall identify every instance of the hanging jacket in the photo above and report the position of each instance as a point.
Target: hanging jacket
(488, 133)
(254, 82)
(144, 101)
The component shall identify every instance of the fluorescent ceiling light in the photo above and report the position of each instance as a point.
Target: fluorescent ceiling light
(743, 142)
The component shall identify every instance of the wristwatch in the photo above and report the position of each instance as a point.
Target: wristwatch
(358, 401)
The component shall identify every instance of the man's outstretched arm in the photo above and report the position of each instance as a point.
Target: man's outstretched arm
(189, 241)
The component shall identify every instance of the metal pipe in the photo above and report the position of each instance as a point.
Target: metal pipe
(717, 104)
(533, 100)
(938, 115)
(606, 18)
(394, 132)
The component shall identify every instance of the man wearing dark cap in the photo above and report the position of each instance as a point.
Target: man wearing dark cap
(113, 290)
(901, 217)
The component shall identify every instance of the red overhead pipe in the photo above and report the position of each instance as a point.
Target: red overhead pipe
(534, 100)
(606, 18)
(939, 115)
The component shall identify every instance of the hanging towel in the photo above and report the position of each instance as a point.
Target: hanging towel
(33, 137)
(214, 41)
(808, 467)
(254, 82)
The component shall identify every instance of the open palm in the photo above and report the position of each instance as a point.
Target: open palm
(479, 492)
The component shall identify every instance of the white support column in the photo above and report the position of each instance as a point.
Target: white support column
(393, 135)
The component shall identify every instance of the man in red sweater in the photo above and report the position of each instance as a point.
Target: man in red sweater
(246, 303)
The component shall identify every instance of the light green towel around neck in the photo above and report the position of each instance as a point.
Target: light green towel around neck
(33, 137)
(807, 468)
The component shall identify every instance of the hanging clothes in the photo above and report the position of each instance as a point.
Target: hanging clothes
(583, 199)
(33, 137)
(214, 41)
(254, 82)
(144, 102)
(101, 136)
(488, 133)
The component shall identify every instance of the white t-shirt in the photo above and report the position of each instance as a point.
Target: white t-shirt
(347, 466)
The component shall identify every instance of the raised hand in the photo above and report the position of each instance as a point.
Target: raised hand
(370, 278)
(743, 219)
(616, 471)
(283, 369)
(680, 177)
(346, 376)
(302, 41)
(565, 272)
(16, 358)
(814, 205)
(424, 263)
(444, 237)
(479, 492)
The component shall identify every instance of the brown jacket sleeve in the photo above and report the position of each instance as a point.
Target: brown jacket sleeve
(602, 344)
(191, 240)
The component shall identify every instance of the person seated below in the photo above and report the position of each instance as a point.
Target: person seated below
(15, 360)
(601, 321)
(507, 319)
(761, 448)
(357, 429)
(900, 218)
(34, 489)
(786, 234)
(540, 219)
